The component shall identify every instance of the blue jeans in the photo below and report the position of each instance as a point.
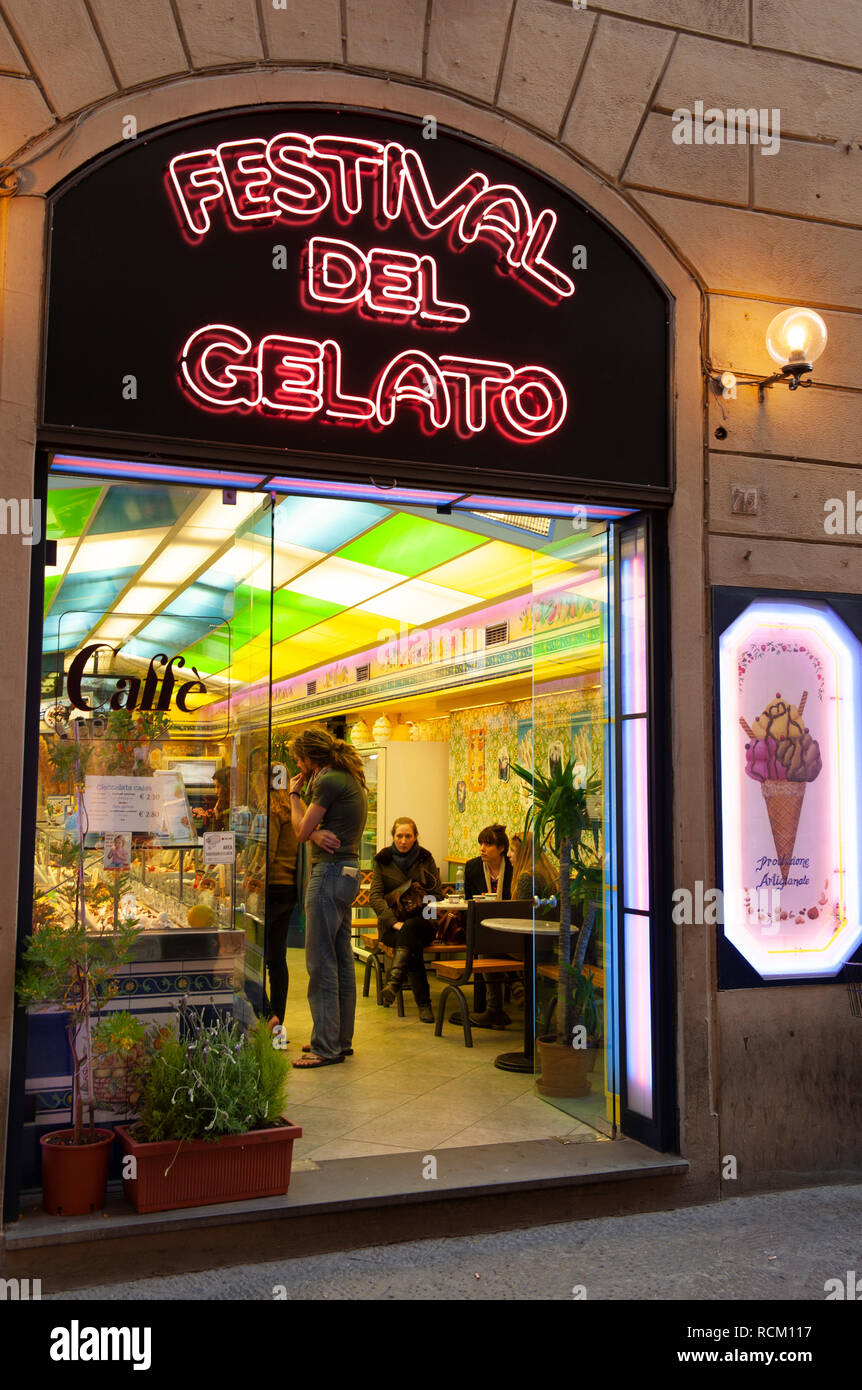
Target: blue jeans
(329, 955)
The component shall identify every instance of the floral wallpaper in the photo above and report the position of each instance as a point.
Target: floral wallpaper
(562, 725)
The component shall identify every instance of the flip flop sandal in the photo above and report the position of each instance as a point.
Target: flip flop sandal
(348, 1051)
(312, 1063)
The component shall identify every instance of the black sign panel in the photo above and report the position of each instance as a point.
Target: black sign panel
(333, 282)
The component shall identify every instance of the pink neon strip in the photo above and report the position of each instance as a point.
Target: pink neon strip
(66, 463)
(362, 492)
(638, 1015)
(635, 815)
(633, 617)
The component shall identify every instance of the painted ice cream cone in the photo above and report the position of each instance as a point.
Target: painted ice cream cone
(783, 757)
(783, 802)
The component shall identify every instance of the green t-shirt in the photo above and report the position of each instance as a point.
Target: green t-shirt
(346, 803)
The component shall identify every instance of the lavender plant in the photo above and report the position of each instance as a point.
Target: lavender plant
(212, 1079)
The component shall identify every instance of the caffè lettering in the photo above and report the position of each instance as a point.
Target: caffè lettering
(128, 694)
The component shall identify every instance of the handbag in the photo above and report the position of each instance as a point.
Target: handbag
(450, 929)
(406, 901)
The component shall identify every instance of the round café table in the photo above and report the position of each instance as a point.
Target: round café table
(524, 927)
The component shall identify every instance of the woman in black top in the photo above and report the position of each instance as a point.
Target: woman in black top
(482, 874)
(490, 872)
(406, 865)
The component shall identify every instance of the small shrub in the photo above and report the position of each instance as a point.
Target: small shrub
(212, 1080)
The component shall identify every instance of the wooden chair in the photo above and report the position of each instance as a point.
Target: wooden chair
(458, 973)
(379, 953)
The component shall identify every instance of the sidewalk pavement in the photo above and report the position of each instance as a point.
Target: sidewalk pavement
(782, 1245)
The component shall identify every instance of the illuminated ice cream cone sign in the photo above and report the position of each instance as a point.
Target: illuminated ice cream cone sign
(783, 757)
(790, 679)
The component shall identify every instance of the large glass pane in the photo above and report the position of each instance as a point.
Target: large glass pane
(146, 745)
(571, 747)
(449, 648)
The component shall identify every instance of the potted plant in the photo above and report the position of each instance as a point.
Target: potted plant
(73, 969)
(210, 1126)
(559, 816)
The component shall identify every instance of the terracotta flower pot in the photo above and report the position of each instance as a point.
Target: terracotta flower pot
(74, 1176)
(193, 1173)
(565, 1070)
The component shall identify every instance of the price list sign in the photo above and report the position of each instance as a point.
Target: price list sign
(122, 804)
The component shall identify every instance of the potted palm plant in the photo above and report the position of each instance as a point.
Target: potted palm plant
(210, 1126)
(560, 817)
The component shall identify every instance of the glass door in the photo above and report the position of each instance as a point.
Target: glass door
(569, 824)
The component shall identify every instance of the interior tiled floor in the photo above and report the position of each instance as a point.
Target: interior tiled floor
(406, 1090)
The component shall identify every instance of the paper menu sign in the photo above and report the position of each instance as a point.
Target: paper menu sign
(219, 847)
(122, 804)
(148, 805)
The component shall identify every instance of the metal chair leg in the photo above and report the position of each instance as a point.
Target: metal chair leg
(465, 1019)
(441, 1010)
(378, 978)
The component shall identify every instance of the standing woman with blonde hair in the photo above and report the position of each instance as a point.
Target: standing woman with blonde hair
(331, 774)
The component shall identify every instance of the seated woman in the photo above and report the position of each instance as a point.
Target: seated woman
(490, 872)
(405, 870)
(533, 875)
(483, 874)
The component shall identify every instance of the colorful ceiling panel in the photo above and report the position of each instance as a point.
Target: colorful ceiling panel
(418, 602)
(176, 569)
(410, 544)
(140, 509)
(90, 594)
(342, 581)
(323, 523)
(496, 569)
(68, 510)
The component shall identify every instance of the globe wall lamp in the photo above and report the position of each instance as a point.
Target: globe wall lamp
(794, 340)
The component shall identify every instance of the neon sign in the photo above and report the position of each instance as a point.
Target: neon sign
(383, 283)
(300, 378)
(297, 177)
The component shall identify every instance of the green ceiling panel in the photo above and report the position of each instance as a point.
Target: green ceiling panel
(69, 510)
(212, 653)
(410, 545)
(51, 588)
(293, 613)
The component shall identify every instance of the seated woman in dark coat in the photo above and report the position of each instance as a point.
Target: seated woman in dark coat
(406, 870)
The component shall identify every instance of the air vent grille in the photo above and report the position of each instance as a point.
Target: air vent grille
(311, 688)
(363, 673)
(497, 634)
(539, 525)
